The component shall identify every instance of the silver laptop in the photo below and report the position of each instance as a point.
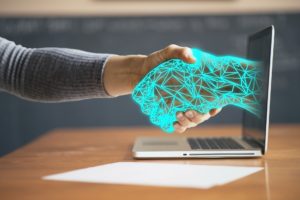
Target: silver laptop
(254, 139)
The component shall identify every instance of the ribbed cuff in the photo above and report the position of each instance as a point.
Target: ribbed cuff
(104, 94)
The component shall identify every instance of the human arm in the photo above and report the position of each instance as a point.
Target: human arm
(60, 74)
(51, 74)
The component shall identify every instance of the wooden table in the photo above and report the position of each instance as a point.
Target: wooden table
(65, 150)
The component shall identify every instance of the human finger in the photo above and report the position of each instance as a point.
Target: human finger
(175, 51)
(196, 117)
(214, 112)
(182, 120)
(172, 51)
(178, 128)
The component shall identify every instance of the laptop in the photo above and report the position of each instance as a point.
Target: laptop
(254, 139)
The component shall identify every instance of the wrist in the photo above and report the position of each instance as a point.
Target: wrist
(122, 73)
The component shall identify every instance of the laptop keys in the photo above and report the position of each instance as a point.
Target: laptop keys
(214, 143)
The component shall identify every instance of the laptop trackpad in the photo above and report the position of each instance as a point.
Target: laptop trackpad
(162, 143)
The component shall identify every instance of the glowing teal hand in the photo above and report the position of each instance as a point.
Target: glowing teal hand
(211, 82)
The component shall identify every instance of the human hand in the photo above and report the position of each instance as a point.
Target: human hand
(192, 118)
(123, 73)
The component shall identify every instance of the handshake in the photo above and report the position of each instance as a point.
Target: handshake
(211, 82)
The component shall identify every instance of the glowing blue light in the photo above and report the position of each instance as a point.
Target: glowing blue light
(211, 82)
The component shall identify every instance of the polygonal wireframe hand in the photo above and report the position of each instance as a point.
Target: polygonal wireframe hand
(211, 82)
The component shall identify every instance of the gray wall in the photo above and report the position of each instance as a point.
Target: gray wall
(21, 121)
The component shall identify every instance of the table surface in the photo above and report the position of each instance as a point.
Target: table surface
(68, 149)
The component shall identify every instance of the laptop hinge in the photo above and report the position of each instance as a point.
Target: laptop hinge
(254, 143)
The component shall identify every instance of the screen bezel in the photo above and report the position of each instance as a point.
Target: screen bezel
(267, 31)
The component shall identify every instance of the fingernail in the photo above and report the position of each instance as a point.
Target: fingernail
(176, 126)
(189, 114)
(180, 116)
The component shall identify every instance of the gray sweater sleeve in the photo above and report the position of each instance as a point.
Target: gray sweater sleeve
(51, 74)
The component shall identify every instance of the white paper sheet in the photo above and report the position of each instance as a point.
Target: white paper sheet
(157, 174)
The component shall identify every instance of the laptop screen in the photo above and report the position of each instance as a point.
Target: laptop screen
(260, 48)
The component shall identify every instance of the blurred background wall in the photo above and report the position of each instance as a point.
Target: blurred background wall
(141, 27)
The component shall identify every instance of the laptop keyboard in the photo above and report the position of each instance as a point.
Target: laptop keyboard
(214, 143)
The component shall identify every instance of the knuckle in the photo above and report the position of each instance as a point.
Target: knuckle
(198, 119)
(184, 123)
(171, 46)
